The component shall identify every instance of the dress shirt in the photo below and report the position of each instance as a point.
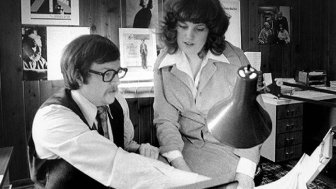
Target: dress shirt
(245, 165)
(60, 133)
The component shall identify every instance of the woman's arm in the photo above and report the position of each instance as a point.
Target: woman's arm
(166, 121)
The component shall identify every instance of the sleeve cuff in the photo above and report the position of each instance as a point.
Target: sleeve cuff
(246, 166)
(172, 155)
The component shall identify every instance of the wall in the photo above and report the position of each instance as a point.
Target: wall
(329, 39)
(313, 47)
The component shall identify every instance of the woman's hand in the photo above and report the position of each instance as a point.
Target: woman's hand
(148, 150)
(179, 163)
(244, 181)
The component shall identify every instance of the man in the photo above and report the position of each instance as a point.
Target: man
(143, 53)
(80, 133)
(265, 34)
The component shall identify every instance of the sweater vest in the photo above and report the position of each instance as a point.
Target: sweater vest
(58, 173)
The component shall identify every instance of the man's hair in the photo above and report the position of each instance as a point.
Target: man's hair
(81, 53)
(27, 47)
(149, 4)
(209, 12)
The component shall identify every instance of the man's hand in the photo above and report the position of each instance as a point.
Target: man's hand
(179, 163)
(148, 150)
(244, 181)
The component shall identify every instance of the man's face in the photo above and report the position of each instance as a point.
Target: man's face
(96, 90)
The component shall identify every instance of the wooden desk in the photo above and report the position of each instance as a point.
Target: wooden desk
(5, 156)
(290, 128)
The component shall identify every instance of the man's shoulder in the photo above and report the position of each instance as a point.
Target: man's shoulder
(61, 97)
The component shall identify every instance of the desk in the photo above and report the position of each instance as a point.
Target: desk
(292, 125)
(137, 89)
(5, 156)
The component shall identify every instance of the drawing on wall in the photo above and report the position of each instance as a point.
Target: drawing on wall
(50, 12)
(137, 52)
(34, 55)
(141, 14)
(275, 26)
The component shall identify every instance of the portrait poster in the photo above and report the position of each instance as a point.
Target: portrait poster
(57, 39)
(137, 53)
(50, 12)
(233, 34)
(138, 14)
(34, 53)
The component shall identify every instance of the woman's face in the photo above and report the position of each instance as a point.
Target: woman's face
(145, 2)
(191, 37)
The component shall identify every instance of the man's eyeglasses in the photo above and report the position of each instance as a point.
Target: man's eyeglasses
(109, 75)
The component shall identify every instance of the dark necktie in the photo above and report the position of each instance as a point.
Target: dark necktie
(102, 121)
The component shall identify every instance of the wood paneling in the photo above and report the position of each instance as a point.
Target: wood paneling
(141, 114)
(14, 132)
(102, 16)
(330, 40)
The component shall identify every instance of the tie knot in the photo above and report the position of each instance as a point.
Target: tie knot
(101, 109)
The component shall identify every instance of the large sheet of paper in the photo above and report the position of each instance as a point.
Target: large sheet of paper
(233, 34)
(254, 58)
(57, 39)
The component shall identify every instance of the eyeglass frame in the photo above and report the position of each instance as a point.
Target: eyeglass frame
(115, 72)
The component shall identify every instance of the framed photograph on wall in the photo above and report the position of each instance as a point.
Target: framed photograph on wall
(274, 25)
(137, 53)
(34, 54)
(50, 12)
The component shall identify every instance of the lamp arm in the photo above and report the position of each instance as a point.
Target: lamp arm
(329, 104)
(304, 87)
(275, 89)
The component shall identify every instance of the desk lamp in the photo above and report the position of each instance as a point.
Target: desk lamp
(240, 121)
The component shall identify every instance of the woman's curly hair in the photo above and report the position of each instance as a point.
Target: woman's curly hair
(209, 12)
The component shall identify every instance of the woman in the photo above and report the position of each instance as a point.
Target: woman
(196, 70)
(143, 17)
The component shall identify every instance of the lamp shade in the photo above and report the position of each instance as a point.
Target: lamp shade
(240, 121)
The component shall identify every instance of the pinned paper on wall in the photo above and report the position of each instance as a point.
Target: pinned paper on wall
(57, 39)
(233, 34)
(254, 58)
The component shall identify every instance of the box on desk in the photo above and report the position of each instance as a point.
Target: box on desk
(313, 79)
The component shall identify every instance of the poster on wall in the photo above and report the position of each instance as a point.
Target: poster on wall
(233, 34)
(141, 14)
(34, 54)
(137, 53)
(57, 39)
(50, 12)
